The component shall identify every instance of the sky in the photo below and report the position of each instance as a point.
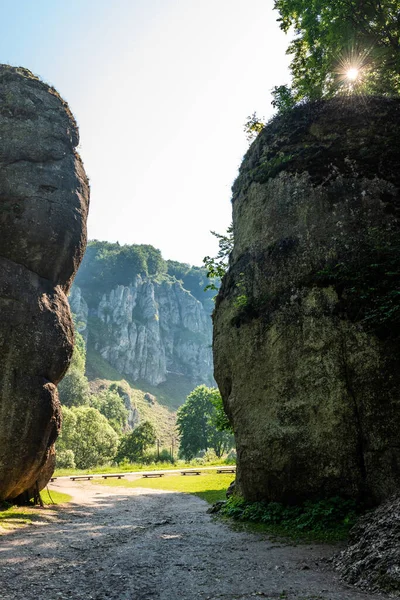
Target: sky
(161, 90)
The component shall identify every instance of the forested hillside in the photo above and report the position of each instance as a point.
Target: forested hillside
(143, 339)
(107, 265)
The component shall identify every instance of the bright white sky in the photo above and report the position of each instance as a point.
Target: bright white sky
(161, 90)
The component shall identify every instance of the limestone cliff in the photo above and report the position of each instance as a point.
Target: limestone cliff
(44, 197)
(307, 322)
(149, 329)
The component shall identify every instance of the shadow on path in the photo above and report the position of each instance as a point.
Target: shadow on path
(138, 544)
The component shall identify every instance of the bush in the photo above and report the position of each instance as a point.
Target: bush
(89, 435)
(330, 518)
(65, 459)
(134, 445)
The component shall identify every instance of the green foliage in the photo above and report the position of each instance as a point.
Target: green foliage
(333, 37)
(135, 444)
(65, 459)
(193, 279)
(73, 389)
(218, 265)
(89, 435)
(106, 265)
(110, 404)
(196, 422)
(282, 98)
(219, 418)
(253, 126)
(326, 519)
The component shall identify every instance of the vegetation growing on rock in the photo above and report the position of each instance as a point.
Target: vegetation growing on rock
(306, 323)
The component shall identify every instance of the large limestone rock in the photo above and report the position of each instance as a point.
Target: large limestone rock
(149, 329)
(44, 197)
(306, 327)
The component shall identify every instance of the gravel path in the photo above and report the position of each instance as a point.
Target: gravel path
(140, 544)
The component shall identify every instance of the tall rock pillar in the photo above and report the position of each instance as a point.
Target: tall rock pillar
(307, 321)
(44, 197)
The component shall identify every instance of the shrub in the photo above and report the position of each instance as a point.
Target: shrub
(328, 518)
(65, 459)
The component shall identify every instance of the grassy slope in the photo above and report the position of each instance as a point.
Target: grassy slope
(169, 395)
(208, 486)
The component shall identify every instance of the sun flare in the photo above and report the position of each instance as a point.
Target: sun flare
(352, 73)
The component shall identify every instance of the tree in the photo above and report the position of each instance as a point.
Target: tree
(219, 418)
(110, 404)
(89, 435)
(134, 445)
(218, 265)
(197, 424)
(340, 46)
(74, 388)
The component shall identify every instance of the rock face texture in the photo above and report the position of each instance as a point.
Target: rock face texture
(44, 197)
(371, 559)
(149, 329)
(306, 326)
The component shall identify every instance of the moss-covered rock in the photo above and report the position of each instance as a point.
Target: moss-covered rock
(44, 196)
(306, 327)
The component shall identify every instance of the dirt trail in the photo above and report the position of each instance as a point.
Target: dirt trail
(139, 544)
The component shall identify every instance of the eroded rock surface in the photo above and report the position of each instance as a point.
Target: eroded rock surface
(44, 197)
(149, 329)
(306, 327)
(371, 560)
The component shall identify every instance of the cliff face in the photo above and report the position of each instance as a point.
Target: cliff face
(307, 322)
(44, 197)
(149, 329)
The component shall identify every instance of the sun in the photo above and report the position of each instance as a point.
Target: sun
(352, 73)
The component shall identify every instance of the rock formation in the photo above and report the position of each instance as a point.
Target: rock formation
(307, 321)
(44, 197)
(372, 557)
(149, 329)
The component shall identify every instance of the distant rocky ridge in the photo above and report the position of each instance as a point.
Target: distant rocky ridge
(149, 329)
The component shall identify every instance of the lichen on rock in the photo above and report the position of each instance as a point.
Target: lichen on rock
(44, 196)
(306, 326)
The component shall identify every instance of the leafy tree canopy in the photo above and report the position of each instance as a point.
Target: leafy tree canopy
(89, 435)
(106, 265)
(197, 424)
(73, 390)
(217, 266)
(340, 46)
(110, 404)
(134, 445)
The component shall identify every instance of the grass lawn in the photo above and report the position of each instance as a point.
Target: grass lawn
(16, 516)
(208, 486)
(126, 468)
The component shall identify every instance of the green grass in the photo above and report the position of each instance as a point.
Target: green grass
(54, 497)
(126, 468)
(97, 367)
(208, 486)
(172, 393)
(12, 517)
